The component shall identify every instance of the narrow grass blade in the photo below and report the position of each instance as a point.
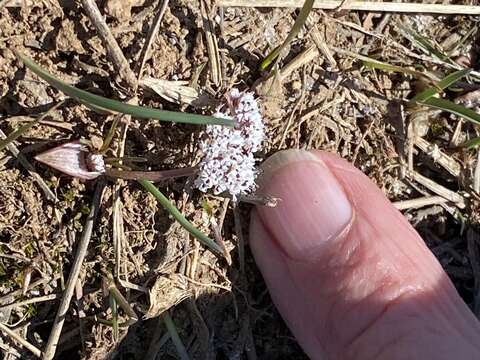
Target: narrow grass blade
(453, 108)
(471, 144)
(114, 309)
(211, 244)
(393, 68)
(297, 26)
(172, 330)
(122, 302)
(422, 43)
(113, 105)
(110, 135)
(441, 85)
(20, 131)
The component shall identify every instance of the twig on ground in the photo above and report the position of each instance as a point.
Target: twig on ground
(218, 286)
(8, 298)
(362, 6)
(144, 55)
(419, 202)
(122, 302)
(52, 343)
(114, 51)
(319, 40)
(35, 300)
(51, 123)
(360, 142)
(438, 156)
(212, 45)
(217, 230)
(305, 57)
(35, 351)
(438, 189)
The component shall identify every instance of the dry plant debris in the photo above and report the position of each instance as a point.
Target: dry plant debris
(322, 97)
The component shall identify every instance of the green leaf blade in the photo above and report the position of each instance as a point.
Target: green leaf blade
(451, 107)
(393, 68)
(446, 82)
(297, 26)
(471, 144)
(187, 225)
(119, 107)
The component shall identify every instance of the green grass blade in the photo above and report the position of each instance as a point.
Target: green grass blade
(204, 239)
(20, 131)
(114, 309)
(393, 68)
(422, 43)
(110, 135)
(451, 107)
(297, 26)
(113, 105)
(441, 85)
(471, 144)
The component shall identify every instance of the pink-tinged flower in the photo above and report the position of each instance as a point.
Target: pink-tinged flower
(75, 160)
(228, 164)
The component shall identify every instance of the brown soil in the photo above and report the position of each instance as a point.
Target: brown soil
(345, 108)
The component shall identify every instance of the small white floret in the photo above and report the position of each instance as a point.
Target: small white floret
(228, 165)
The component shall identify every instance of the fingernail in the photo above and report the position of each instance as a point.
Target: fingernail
(313, 209)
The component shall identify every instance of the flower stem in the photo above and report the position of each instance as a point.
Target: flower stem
(187, 225)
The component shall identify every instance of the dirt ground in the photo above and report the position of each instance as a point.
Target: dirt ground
(323, 97)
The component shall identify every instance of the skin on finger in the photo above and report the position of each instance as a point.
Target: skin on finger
(366, 288)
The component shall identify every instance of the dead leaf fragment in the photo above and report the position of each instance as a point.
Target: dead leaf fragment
(177, 92)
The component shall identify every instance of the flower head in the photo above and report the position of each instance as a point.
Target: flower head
(228, 164)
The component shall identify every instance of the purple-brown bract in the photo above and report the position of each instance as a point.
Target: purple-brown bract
(75, 160)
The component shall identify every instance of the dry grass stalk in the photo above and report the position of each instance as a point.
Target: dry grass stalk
(114, 51)
(304, 58)
(419, 202)
(5, 300)
(396, 7)
(35, 300)
(52, 343)
(152, 33)
(438, 189)
(212, 45)
(439, 157)
(34, 350)
(319, 40)
(298, 107)
(55, 124)
(122, 302)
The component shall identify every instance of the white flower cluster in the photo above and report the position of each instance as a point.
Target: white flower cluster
(228, 164)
